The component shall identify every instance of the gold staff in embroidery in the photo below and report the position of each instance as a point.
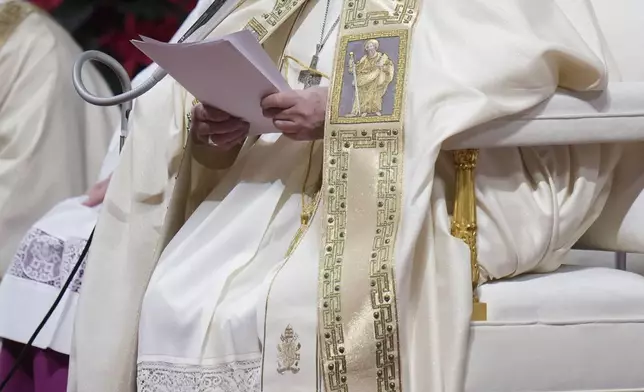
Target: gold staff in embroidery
(288, 352)
(372, 75)
(352, 64)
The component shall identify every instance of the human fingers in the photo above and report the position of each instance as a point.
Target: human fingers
(209, 138)
(205, 129)
(286, 126)
(237, 141)
(271, 113)
(281, 100)
(96, 193)
(296, 113)
(228, 141)
(201, 112)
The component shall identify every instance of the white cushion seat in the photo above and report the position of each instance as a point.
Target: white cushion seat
(576, 329)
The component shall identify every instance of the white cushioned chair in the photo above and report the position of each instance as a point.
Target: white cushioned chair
(579, 328)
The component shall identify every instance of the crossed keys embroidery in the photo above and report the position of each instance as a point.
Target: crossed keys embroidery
(288, 352)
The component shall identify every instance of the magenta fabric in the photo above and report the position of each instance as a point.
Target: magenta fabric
(41, 370)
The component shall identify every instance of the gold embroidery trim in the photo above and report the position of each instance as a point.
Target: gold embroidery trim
(12, 14)
(357, 16)
(351, 362)
(268, 22)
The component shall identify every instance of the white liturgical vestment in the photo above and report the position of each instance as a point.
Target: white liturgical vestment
(51, 141)
(55, 243)
(220, 288)
(251, 252)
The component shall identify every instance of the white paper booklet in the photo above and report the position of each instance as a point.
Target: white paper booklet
(232, 73)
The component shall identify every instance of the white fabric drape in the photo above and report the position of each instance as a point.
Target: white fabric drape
(215, 322)
(471, 62)
(53, 244)
(51, 142)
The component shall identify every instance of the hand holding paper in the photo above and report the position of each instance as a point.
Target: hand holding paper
(233, 74)
(299, 114)
(217, 128)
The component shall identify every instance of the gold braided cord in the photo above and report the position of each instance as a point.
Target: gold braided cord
(305, 67)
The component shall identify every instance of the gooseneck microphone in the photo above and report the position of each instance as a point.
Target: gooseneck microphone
(206, 23)
(203, 26)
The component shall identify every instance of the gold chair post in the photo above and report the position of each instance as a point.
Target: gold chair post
(464, 219)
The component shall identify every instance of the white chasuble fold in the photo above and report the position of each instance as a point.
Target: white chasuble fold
(146, 204)
(290, 349)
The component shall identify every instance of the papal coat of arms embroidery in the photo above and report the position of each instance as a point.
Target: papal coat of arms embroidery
(288, 352)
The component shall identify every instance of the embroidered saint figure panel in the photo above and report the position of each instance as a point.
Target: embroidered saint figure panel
(371, 78)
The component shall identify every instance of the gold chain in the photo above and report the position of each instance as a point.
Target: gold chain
(308, 209)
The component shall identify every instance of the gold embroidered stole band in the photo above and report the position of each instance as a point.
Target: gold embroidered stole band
(263, 25)
(362, 190)
(12, 14)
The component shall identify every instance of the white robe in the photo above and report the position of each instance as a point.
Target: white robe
(205, 307)
(215, 326)
(51, 141)
(55, 241)
(471, 62)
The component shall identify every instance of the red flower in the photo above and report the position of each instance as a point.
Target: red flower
(118, 41)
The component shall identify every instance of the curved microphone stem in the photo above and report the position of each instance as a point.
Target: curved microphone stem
(206, 23)
(124, 99)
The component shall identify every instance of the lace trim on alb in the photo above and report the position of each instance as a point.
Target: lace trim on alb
(49, 260)
(238, 376)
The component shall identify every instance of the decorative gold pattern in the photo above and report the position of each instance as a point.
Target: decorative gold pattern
(357, 16)
(464, 221)
(401, 68)
(358, 149)
(288, 352)
(260, 27)
(389, 144)
(12, 14)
